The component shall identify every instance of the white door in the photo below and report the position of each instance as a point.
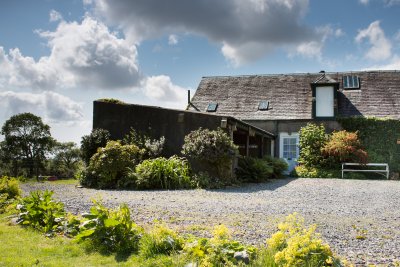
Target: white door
(289, 149)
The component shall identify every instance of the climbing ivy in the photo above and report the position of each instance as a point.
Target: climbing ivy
(379, 137)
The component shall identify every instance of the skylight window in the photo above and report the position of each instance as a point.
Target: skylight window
(263, 105)
(351, 82)
(212, 107)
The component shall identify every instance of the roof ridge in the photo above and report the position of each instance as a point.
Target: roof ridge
(300, 73)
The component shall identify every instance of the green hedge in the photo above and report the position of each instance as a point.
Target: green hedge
(379, 137)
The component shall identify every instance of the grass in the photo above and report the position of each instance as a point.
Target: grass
(56, 182)
(24, 247)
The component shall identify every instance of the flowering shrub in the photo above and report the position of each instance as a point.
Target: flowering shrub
(152, 148)
(110, 164)
(9, 192)
(345, 146)
(213, 148)
(295, 245)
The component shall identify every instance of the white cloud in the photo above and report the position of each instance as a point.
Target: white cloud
(236, 25)
(83, 55)
(161, 89)
(339, 32)
(173, 39)
(51, 106)
(392, 2)
(55, 16)
(313, 49)
(381, 47)
(364, 2)
(393, 64)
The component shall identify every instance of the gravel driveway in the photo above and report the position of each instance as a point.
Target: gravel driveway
(360, 219)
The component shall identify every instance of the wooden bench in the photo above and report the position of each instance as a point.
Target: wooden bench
(379, 171)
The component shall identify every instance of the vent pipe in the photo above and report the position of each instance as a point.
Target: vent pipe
(188, 97)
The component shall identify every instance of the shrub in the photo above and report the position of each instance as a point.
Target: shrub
(41, 212)
(253, 170)
(10, 186)
(162, 173)
(152, 148)
(111, 163)
(90, 143)
(110, 230)
(311, 172)
(312, 140)
(279, 166)
(213, 149)
(295, 245)
(344, 146)
(160, 240)
(9, 192)
(216, 251)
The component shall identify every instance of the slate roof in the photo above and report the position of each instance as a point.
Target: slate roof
(290, 95)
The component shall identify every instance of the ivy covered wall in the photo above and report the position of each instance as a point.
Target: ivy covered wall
(379, 136)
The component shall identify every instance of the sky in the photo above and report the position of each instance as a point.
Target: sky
(57, 56)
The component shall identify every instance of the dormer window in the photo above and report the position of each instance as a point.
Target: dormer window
(263, 105)
(212, 107)
(324, 101)
(351, 82)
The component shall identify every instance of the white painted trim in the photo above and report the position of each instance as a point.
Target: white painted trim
(283, 135)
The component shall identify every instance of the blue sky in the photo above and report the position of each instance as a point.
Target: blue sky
(56, 57)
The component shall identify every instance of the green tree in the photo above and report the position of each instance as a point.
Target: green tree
(66, 159)
(27, 140)
(90, 143)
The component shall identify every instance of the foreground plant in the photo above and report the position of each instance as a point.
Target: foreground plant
(296, 245)
(110, 230)
(217, 251)
(9, 192)
(41, 212)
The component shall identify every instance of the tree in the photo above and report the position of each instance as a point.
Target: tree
(28, 140)
(66, 159)
(90, 143)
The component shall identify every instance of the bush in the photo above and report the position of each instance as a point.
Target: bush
(311, 172)
(110, 230)
(90, 143)
(41, 212)
(279, 166)
(9, 186)
(110, 164)
(152, 148)
(216, 251)
(344, 146)
(9, 192)
(295, 245)
(211, 151)
(162, 173)
(312, 140)
(160, 240)
(253, 170)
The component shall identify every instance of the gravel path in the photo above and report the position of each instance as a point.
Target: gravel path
(360, 219)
